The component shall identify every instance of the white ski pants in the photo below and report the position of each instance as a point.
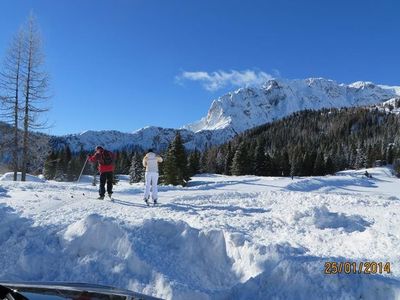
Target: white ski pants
(151, 179)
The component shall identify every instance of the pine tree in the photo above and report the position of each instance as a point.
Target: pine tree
(61, 166)
(329, 167)
(50, 165)
(211, 164)
(175, 166)
(361, 159)
(396, 166)
(68, 156)
(240, 161)
(228, 160)
(181, 159)
(136, 172)
(203, 161)
(194, 163)
(308, 163)
(319, 165)
(389, 154)
(73, 169)
(219, 161)
(260, 159)
(296, 162)
(125, 163)
(370, 157)
(277, 167)
(273, 165)
(285, 164)
(269, 166)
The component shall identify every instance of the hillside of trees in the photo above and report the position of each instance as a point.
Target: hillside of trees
(310, 143)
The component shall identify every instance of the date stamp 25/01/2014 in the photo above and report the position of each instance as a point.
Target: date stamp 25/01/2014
(347, 267)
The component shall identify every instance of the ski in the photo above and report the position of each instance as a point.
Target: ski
(104, 198)
(148, 203)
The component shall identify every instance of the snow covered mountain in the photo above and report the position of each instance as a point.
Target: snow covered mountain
(250, 107)
(148, 137)
(240, 110)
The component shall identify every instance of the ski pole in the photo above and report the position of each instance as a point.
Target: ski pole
(84, 165)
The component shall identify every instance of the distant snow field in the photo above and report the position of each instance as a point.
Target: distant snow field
(221, 237)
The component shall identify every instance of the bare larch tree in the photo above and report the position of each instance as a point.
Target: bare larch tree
(35, 87)
(10, 86)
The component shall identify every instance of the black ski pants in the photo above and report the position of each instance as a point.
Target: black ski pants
(106, 177)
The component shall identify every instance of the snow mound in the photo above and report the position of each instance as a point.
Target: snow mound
(378, 172)
(239, 237)
(163, 258)
(96, 234)
(303, 278)
(3, 192)
(171, 260)
(10, 177)
(198, 258)
(329, 183)
(324, 219)
(287, 272)
(98, 244)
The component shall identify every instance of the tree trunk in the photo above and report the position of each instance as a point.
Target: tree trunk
(16, 108)
(26, 116)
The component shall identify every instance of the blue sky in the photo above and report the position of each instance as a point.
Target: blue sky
(126, 64)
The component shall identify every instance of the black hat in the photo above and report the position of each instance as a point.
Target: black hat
(99, 148)
(150, 150)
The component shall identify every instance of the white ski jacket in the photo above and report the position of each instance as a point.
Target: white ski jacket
(150, 162)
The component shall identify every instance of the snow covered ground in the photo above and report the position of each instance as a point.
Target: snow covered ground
(219, 238)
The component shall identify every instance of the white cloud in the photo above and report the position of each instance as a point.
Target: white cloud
(219, 79)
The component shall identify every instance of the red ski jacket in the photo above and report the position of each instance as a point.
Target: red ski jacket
(98, 157)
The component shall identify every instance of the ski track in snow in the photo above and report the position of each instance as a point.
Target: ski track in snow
(221, 237)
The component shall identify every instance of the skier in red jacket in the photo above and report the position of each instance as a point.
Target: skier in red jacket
(105, 160)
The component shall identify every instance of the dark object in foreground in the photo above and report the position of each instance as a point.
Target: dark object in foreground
(63, 290)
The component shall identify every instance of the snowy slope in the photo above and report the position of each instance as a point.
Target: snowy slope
(221, 237)
(250, 107)
(392, 105)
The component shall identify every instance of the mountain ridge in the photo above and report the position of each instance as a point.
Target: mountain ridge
(249, 107)
(236, 112)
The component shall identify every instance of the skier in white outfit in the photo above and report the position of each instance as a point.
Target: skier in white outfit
(150, 162)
